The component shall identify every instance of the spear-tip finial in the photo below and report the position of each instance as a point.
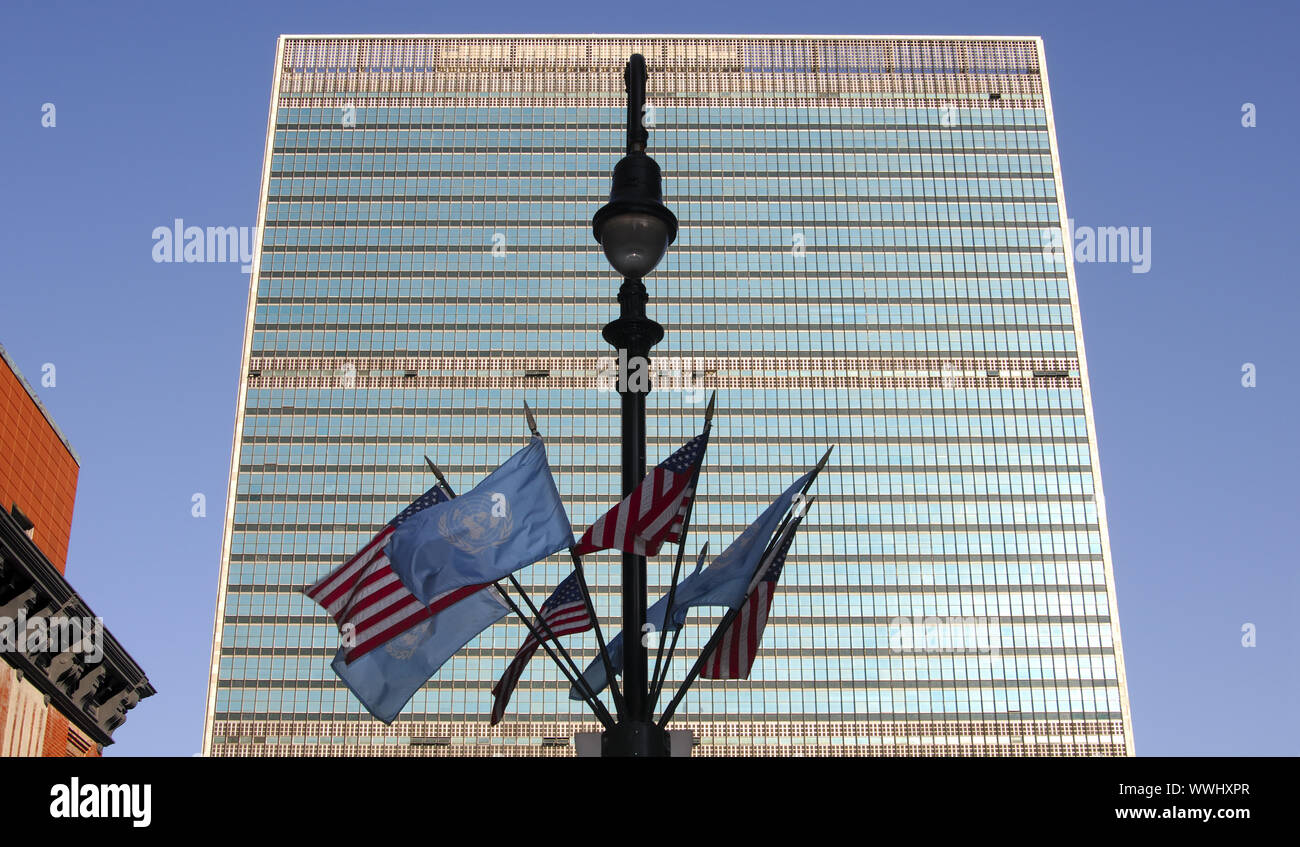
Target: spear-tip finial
(437, 472)
(699, 560)
(804, 505)
(532, 421)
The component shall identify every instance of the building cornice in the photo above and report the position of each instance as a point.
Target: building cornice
(95, 696)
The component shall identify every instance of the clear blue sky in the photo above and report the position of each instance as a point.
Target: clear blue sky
(161, 113)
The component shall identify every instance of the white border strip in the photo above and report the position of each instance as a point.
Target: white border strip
(228, 530)
(1116, 644)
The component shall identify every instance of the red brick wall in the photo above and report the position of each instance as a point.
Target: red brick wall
(36, 469)
(39, 474)
(56, 735)
(62, 739)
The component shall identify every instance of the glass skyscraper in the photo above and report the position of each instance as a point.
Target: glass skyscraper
(865, 260)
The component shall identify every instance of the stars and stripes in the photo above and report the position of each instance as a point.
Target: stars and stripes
(565, 612)
(367, 599)
(655, 511)
(733, 658)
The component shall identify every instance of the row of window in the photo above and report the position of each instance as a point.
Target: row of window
(819, 413)
(266, 514)
(812, 540)
(843, 580)
(767, 666)
(678, 316)
(402, 487)
(578, 214)
(792, 605)
(738, 262)
(602, 118)
(848, 479)
(515, 237)
(731, 450)
(1025, 701)
(855, 636)
(862, 401)
(669, 142)
(698, 342)
(567, 165)
(844, 577)
(376, 458)
(455, 190)
(269, 513)
(682, 289)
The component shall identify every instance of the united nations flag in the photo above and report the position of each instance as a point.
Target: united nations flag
(510, 520)
(384, 680)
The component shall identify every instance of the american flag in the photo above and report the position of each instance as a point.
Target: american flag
(733, 657)
(366, 595)
(565, 612)
(654, 512)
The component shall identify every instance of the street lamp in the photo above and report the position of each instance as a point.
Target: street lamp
(635, 227)
(634, 230)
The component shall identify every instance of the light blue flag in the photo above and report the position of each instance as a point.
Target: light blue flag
(510, 520)
(386, 678)
(726, 581)
(723, 583)
(595, 672)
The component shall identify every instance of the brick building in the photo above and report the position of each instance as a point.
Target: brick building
(59, 695)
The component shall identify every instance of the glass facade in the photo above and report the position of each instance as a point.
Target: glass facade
(865, 260)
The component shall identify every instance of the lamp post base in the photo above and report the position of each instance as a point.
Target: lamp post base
(635, 739)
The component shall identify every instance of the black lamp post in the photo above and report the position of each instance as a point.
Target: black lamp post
(634, 230)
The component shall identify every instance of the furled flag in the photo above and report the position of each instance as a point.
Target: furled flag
(384, 680)
(733, 656)
(565, 612)
(725, 581)
(655, 511)
(510, 520)
(367, 600)
(722, 583)
(654, 616)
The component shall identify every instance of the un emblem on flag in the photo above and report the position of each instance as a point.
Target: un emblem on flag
(403, 646)
(475, 523)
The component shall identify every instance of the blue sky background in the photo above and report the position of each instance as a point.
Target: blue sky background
(161, 113)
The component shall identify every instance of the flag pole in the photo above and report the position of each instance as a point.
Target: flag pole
(712, 644)
(532, 421)
(592, 702)
(602, 714)
(785, 521)
(817, 469)
(657, 679)
(614, 690)
(677, 565)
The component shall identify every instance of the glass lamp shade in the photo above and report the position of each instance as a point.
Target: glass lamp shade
(634, 242)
